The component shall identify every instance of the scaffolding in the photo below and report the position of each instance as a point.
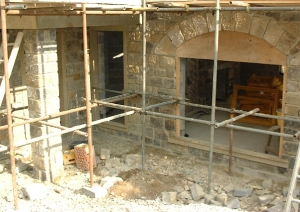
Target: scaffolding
(95, 8)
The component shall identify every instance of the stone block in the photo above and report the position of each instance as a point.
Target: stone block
(95, 192)
(108, 182)
(153, 60)
(20, 167)
(156, 81)
(185, 195)
(258, 26)
(104, 154)
(265, 199)
(214, 202)
(167, 62)
(165, 47)
(157, 122)
(273, 33)
(200, 23)
(31, 59)
(267, 183)
(211, 22)
(35, 191)
(42, 80)
(242, 192)
(233, 204)
(188, 29)
(293, 74)
(42, 93)
(227, 21)
(222, 198)
(197, 192)
(243, 22)
(176, 36)
(43, 68)
(208, 198)
(276, 208)
(169, 197)
(286, 43)
(133, 160)
(160, 135)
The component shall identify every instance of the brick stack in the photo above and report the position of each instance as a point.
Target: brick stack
(82, 156)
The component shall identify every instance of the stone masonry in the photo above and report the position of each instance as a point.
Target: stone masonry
(166, 32)
(43, 99)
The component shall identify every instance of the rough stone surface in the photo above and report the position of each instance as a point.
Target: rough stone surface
(35, 191)
(267, 183)
(105, 154)
(197, 192)
(169, 197)
(235, 203)
(265, 199)
(242, 192)
(95, 192)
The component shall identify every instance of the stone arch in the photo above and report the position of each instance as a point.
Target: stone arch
(263, 30)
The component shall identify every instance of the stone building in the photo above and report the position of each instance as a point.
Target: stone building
(48, 77)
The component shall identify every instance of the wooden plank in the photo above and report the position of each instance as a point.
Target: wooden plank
(283, 109)
(11, 62)
(236, 152)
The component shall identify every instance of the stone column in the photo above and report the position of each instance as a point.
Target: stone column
(43, 99)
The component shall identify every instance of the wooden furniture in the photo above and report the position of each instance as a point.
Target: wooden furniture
(249, 97)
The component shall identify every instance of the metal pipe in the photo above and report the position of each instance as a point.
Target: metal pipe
(109, 90)
(230, 147)
(236, 118)
(52, 125)
(266, 132)
(144, 84)
(71, 129)
(55, 115)
(214, 88)
(16, 7)
(124, 107)
(8, 103)
(113, 117)
(240, 111)
(87, 94)
(68, 12)
(178, 117)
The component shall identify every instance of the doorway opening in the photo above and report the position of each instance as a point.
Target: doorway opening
(111, 75)
(252, 81)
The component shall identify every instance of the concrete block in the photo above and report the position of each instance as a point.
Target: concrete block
(108, 182)
(222, 198)
(267, 183)
(197, 192)
(169, 197)
(242, 192)
(104, 154)
(265, 199)
(208, 198)
(95, 192)
(233, 204)
(35, 191)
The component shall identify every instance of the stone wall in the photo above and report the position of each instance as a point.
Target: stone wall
(167, 32)
(43, 99)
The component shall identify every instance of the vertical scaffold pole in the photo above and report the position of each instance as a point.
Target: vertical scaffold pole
(213, 109)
